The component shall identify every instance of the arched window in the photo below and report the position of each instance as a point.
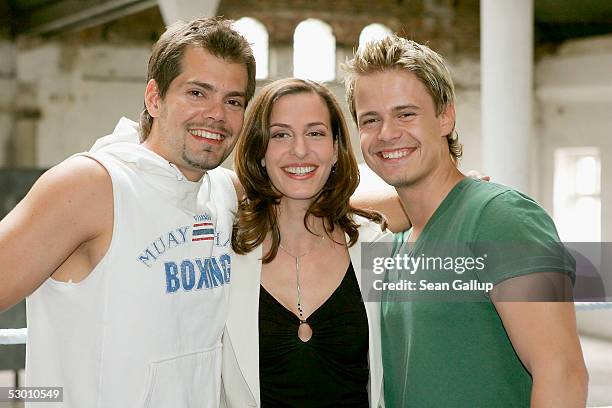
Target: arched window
(373, 32)
(257, 35)
(314, 51)
(577, 193)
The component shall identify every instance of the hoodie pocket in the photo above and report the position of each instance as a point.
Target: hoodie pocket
(185, 381)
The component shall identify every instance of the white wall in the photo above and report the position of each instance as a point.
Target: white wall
(466, 76)
(7, 96)
(81, 92)
(574, 95)
(574, 99)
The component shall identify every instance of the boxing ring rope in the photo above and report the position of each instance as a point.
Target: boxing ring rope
(19, 336)
(13, 336)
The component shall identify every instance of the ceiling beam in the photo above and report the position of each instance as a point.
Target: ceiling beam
(71, 15)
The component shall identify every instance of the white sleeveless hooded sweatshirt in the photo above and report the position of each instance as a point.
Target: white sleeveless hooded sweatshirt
(144, 328)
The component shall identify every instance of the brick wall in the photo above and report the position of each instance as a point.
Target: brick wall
(450, 26)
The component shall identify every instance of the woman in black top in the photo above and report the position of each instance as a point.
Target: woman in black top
(330, 369)
(296, 164)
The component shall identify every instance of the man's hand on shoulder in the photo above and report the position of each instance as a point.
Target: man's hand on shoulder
(475, 174)
(65, 220)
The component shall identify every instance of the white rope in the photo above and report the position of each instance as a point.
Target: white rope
(13, 336)
(586, 306)
(19, 336)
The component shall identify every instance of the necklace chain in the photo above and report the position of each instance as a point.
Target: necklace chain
(297, 274)
(305, 253)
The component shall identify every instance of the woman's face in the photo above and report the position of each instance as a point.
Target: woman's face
(301, 150)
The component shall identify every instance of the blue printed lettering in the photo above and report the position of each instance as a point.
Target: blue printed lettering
(147, 258)
(172, 281)
(172, 240)
(204, 278)
(163, 243)
(187, 274)
(226, 264)
(183, 232)
(201, 217)
(219, 241)
(215, 271)
(159, 252)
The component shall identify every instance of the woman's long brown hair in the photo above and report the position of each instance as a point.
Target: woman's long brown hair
(257, 213)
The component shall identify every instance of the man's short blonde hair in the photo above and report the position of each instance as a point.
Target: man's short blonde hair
(397, 53)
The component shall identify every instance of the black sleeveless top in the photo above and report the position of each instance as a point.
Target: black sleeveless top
(331, 369)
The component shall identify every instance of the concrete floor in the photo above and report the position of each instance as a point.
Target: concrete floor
(597, 354)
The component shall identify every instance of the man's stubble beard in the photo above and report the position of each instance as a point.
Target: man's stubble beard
(203, 164)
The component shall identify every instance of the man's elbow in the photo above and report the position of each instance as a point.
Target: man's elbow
(568, 376)
(580, 375)
(576, 382)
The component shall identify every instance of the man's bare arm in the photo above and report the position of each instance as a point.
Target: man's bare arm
(545, 338)
(66, 211)
(384, 199)
(386, 202)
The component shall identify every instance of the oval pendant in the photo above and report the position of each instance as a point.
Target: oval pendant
(304, 332)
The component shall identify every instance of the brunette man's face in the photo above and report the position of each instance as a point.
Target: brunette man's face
(197, 123)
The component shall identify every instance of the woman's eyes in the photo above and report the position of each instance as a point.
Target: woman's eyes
(284, 135)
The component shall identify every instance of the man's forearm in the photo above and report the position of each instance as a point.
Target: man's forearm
(561, 385)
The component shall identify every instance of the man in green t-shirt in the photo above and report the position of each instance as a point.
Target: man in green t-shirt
(475, 347)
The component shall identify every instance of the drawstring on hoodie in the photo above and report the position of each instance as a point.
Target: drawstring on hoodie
(159, 172)
(179, 174)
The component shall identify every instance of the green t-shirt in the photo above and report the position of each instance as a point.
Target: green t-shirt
(456, 353)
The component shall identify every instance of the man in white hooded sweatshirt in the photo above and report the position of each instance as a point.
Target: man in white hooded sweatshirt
(124, 251)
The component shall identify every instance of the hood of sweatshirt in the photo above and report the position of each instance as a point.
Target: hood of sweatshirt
(123, 144)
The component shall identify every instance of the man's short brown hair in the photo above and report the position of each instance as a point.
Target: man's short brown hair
(215, 35)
